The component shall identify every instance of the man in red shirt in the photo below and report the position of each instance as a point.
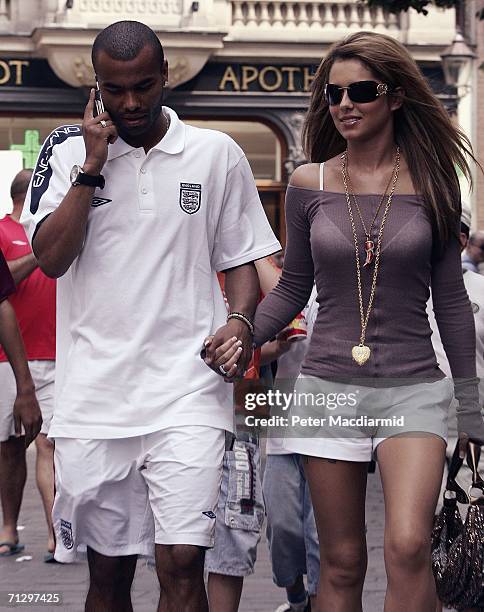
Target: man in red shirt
(34, 304)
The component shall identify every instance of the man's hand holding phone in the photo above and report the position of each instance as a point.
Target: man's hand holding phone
(98, 131)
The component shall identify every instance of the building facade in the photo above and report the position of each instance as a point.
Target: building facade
(242, 66)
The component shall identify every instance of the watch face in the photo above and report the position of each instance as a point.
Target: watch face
(74, 173)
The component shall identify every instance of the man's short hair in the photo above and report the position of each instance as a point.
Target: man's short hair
(464, 229)
(124, 40)
(477, 238)
(20, 184)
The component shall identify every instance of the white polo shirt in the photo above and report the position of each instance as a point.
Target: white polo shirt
(137, 303)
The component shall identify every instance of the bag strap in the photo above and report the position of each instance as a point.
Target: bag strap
(451, 485)
(473, 455)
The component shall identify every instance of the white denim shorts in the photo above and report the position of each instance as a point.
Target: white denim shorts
(43, 375)
(121, 496)
(359, 418)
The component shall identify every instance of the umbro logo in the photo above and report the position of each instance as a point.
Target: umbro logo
(210, 514)
(99, 201)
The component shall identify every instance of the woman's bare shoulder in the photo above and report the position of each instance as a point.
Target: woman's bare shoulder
(306, 176)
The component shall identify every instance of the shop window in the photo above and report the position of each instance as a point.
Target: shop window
(263, 150)
(26, 134)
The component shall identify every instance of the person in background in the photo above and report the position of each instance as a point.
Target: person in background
(34, 304)
(291, 529)
(473, 254)
(240, 507)
(24, 410)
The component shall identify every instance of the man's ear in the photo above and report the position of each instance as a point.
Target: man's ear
(463, 240)
(396, 98)
(164, 72)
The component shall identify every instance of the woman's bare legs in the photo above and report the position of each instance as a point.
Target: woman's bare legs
(411, 470)
(338, 490)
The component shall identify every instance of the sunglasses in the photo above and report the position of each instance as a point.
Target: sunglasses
(360, 92)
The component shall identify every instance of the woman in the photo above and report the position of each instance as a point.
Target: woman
(375, 123)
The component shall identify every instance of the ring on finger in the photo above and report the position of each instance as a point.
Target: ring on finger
(103, 123)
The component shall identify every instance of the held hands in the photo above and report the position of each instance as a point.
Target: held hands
(229, 351)
(98, 132)
(26, 412)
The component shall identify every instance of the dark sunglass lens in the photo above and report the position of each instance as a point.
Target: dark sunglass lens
(363, 91)
(334, 94)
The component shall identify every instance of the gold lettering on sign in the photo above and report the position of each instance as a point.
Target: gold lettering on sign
(262, 78)
(308, 79)
(290, 76)
(18, 65)
(249, 74)
(5, 76)
(229, 77)
(12, 66)
(269, 78)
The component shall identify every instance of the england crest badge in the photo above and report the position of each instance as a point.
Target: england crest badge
(190, 197)
(66, 534)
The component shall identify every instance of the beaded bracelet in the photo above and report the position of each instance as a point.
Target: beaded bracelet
(242, 317)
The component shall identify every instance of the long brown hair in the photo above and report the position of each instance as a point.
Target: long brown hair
(433, 147)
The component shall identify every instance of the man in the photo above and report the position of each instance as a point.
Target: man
(152, 210)
(474, 252)
(26, 410)
(34, 306)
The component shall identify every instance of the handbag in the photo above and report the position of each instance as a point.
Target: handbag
(458, 546)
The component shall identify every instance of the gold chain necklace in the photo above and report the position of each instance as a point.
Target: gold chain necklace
(369, 243)
(361, 353)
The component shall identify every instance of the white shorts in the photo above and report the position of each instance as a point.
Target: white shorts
(120, 496)
(401, 410)
(43, 375)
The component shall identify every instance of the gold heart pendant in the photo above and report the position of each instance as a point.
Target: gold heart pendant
(360, 354)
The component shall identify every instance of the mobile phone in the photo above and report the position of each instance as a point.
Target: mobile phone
(98, 101)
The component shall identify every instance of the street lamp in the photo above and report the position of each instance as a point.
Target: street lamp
(457, 64)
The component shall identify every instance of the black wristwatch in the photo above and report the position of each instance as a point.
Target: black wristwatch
(79, 177)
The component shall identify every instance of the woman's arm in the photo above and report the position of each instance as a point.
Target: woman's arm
(455, 320)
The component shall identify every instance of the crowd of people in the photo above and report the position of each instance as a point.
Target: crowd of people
(168, 311)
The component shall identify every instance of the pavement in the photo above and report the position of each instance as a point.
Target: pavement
(28, 573)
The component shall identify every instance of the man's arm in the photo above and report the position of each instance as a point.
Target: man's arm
(26, 409)
(242, 292)
(22, 267)
(60, 237)
(242, 289)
